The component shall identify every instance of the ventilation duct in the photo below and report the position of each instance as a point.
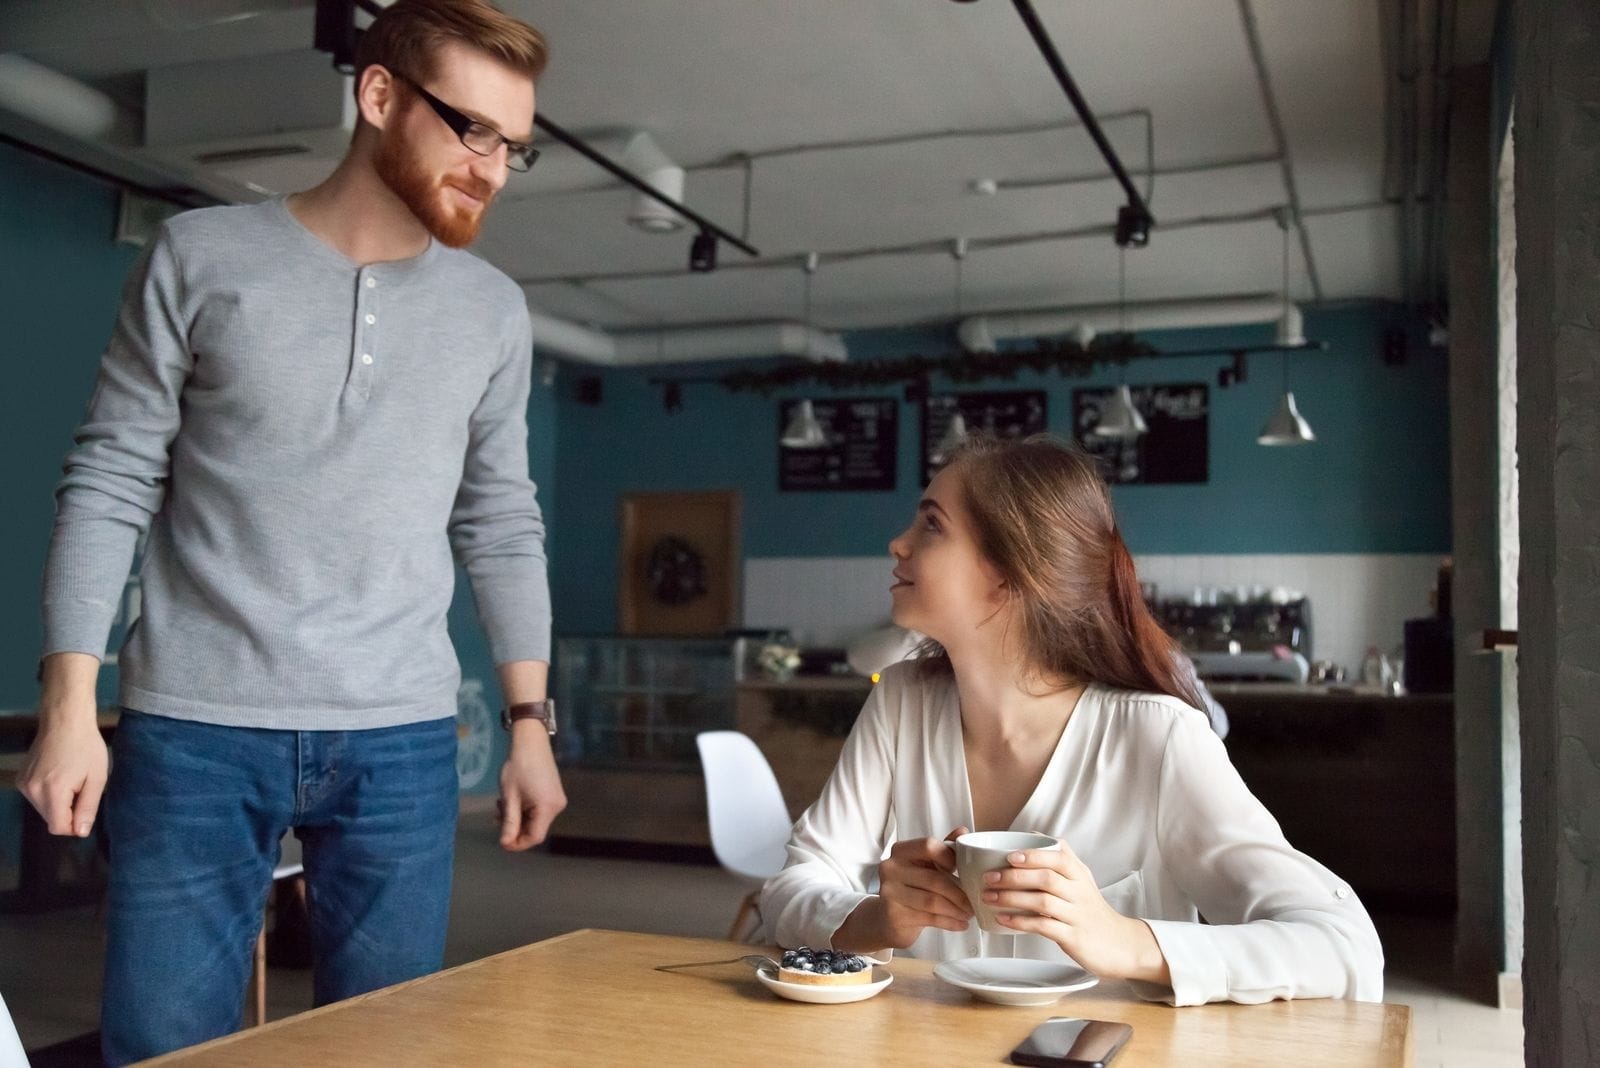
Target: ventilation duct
(564, 338)
(691, 344)
(982, 333)
(63, 104)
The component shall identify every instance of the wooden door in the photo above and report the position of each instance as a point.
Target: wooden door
(680, 566)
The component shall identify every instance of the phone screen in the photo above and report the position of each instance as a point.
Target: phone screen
(1065, 1042)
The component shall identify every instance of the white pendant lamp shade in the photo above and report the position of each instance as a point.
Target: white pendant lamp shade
(1287, 426)
(1120, 419)
(803, 431)
(955, 436)
(1291, 326)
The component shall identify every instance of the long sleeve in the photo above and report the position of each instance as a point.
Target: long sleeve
(1280, 925)
(838, 843)
(117, 472)
(496, 530)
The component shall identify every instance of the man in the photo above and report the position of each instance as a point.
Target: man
(308, 403)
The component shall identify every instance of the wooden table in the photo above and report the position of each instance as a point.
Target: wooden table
(595, 997)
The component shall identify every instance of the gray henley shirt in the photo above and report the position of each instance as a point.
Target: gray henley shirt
(306, 441)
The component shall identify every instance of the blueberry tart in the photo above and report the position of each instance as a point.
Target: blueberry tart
(823, 967)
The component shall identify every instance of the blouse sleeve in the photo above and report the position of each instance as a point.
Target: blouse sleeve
(1280, 925)
(836, 846)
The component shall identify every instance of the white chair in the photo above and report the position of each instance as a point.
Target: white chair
(750, 824)
(11, 1054)
(289, 867)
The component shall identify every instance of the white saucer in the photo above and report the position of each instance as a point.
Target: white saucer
(825, 995)
(1015, 981)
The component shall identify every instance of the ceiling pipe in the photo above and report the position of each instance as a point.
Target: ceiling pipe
(741, 341)
(564, 338)
(981, 333)
(63, 103)
(561, 337)
(1280, 139)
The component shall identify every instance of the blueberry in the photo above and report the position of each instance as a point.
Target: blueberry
(840, 967)
(857, 964)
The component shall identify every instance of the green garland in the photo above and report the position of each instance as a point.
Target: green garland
(1067, 357)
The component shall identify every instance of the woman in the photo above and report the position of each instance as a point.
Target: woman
(1050, 700)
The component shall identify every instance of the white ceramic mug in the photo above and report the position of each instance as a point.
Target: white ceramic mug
(982, 852)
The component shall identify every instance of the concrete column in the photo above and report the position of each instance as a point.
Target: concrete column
(1474, 519)
(1558, 442)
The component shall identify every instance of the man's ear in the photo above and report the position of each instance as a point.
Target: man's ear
(377, 95)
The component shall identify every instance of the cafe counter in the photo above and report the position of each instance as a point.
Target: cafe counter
(1362, 780)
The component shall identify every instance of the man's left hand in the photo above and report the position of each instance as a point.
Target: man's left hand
(530, 788)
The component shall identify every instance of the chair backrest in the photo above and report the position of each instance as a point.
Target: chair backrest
(750, 824)
(11, 1054)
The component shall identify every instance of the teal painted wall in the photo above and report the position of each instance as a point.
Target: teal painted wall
(1376, 479)
(60, 281)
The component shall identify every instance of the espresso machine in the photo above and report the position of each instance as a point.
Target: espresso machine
(1242, 634)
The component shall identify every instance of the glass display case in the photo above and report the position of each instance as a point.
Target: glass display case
(637, 703)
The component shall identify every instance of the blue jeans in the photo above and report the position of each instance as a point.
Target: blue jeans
(194, 813)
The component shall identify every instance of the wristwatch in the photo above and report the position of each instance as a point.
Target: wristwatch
(543, 711)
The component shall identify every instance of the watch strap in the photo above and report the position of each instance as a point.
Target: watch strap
(543, 711)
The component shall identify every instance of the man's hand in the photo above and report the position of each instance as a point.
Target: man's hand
(530, 788)
(65, 773)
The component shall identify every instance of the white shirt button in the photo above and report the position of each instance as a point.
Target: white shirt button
(371, 319)
(1342, 891)
(371, 282)
(366, 357)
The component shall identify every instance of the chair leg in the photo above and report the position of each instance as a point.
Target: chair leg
(258, 978)
(747, 908)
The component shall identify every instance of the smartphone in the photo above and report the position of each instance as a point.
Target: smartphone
(1065, 1042)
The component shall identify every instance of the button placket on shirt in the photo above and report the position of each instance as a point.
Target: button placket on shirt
(364, 355)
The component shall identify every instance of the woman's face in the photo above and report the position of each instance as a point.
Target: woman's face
(944, 587)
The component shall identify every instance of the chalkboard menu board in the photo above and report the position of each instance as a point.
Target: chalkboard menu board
(1176, 449)
(1005, 415)
(862, 451)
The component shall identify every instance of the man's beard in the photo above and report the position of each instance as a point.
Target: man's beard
(403, 172)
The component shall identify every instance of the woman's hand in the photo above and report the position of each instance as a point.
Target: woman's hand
(1062, 903)
(916, 890)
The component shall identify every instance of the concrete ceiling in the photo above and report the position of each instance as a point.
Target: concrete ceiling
(863, 125)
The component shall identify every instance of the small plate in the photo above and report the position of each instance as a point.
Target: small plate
(825, 995)
(1015, 981)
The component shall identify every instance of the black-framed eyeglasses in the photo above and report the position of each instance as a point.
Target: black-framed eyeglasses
(479, 137)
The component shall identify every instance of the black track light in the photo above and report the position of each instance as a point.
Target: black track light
(703, 252)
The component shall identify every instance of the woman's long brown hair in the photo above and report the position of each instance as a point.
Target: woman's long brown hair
(1042, 516)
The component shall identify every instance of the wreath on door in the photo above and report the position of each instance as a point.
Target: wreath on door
(675, 571)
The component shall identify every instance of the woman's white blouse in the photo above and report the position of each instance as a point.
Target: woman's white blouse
(1142, 790)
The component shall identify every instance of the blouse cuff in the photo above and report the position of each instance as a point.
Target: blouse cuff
(1199, 974)
(835, 907)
